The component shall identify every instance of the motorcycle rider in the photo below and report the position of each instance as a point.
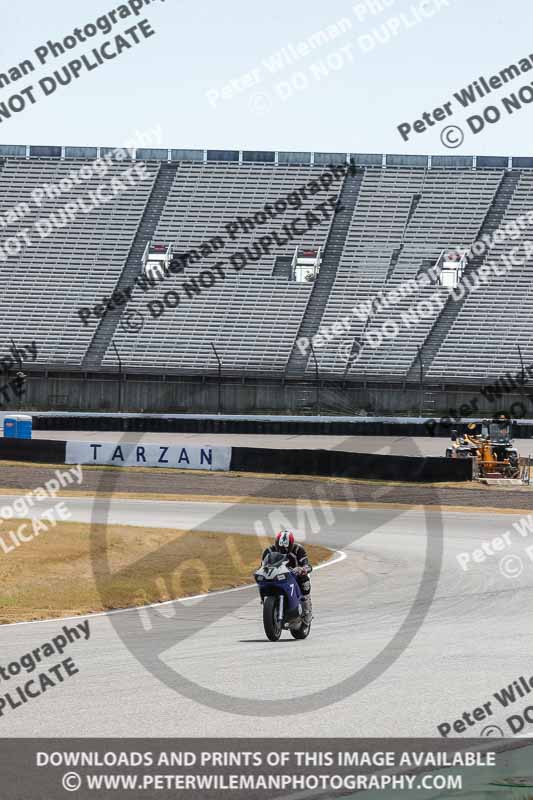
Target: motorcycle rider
(298, 563)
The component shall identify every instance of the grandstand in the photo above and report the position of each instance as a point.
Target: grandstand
(395, 215)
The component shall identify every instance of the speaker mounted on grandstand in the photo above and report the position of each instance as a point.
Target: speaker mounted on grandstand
(451, 266)
(156, 258)
(306, 264)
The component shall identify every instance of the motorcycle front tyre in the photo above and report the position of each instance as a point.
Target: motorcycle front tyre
(270, 618)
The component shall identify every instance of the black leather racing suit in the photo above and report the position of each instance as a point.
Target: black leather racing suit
(297, 557)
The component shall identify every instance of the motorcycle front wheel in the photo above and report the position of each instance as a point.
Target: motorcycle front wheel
(270, 619)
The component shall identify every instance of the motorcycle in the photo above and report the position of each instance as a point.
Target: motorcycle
(281, 598)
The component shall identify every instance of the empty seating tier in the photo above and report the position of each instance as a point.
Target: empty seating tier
(75, 265)
(399, 215)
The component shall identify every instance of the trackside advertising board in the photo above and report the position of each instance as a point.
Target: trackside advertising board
(124, 454)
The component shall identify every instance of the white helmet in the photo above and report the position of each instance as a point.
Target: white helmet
(285, 540)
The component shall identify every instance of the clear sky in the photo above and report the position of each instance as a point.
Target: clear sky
(199, 48)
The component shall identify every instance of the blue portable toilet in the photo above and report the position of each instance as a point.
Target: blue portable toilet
(18, 426)
(24, 426)
(10, 428)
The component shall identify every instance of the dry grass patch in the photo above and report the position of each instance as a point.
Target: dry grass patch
(76, 568)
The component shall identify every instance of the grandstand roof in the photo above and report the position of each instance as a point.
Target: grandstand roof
(274, 157)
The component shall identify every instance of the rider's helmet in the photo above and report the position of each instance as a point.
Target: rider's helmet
(285, 541)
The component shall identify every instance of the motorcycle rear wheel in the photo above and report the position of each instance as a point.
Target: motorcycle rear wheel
(302, 632)
(270, 621)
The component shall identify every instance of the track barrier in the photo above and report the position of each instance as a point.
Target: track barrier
(329, 426)
(327, 463)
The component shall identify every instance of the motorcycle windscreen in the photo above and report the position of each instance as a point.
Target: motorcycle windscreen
(274, 560)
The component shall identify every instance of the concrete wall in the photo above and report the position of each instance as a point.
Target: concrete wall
(76, 393)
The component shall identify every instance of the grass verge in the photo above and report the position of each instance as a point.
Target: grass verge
(53, 575)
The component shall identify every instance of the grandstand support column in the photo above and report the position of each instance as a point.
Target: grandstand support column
(522, 364)
(219, 380)
(523, 377)
(421, 383)
(20, 374)
(120, 373)
(317, 380)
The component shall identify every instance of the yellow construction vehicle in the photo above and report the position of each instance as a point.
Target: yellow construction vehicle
(490, 443)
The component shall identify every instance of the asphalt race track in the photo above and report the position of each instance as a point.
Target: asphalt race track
(475, 638)
(387, 445)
